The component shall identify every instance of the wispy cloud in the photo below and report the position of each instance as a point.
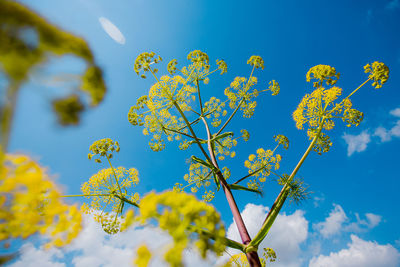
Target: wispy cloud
(333, 223)
(360, 253)
(387, 134)
(356, 143)
(359, 143)
(394, 4)
(112, 30)
(338, 222)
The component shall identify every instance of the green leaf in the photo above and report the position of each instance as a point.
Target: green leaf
(222, 136)
(202, 162)
(240, 187)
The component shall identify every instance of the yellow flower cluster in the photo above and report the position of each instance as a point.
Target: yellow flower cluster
(199, 58)
(30, 203)
(107, 190)
(282, 140)
(322, 73)
(158, 119)
(222, 66)
(180, 214)
(379, 72)
(274, 87)
(198, 176)
(256, 62)
(224, 146)
(216, 109)
(143, 62)
(245, 135)
(260, 166)
(143, 256)
(103, 148)
(320, 104)
(172, 66)
(238, 91)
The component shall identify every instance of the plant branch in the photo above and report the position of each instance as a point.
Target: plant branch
(252, 256)
(280, 200)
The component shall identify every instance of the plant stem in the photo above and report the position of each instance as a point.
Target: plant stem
(6, 115)
(229, 242)
(230, 118)
(252, 257)
(191, 130)
(198, 92)
(115, 175)
(280, 200)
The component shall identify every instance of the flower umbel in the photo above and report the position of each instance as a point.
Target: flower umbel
(379, 72)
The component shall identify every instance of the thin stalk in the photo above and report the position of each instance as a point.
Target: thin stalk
(359, 87)
(230, 118)
(191, 130)
(252, 256)
(198, 92)
(124, 199)
(115, 175)
(280, 200)
(178, 132)
(256, 171)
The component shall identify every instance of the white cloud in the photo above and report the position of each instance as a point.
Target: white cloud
(356, 143)
(372, 220)
(333, 223)
(318, 200)
(393, 4)
(395, 112)
(112, 30)
(386, 134)
(338, 222)
(395, 131)
(285, 236)
(383, 134)
(94, 248)
(359, 253)
(30, 256)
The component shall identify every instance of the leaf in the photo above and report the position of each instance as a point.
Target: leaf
(240, 187)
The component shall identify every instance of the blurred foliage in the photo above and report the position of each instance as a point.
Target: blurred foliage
(27, 40)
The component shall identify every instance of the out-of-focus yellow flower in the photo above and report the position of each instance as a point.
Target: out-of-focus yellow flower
(143, 256)
(176, 213)
(30, 203)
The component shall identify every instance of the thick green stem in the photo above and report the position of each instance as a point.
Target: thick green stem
(280, 200)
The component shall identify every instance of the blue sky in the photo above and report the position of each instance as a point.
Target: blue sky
(355, 185)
